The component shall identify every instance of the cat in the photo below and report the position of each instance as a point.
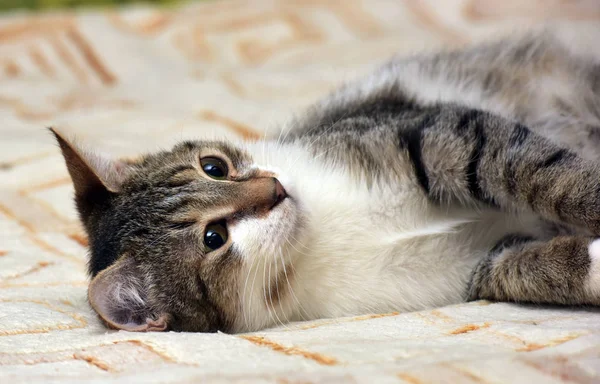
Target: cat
(437, 179)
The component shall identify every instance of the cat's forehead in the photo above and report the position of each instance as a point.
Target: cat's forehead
(192, 150)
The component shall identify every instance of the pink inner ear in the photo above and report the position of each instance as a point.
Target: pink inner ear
(118, 296)
(110, 172)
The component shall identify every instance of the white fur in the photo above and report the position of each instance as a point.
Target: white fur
(592, 284)
(347, 248)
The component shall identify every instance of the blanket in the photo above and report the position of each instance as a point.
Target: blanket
(143, 78)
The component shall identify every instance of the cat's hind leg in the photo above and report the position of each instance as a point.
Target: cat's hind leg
(563, 270)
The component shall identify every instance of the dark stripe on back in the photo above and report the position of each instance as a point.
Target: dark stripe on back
(558, 157)
(466, 120)
(518, 136)
(376, 108)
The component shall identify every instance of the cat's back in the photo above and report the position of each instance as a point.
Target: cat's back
(548, 80)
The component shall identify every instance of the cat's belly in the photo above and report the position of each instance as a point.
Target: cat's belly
(386, 247)
(403, 259)
(434, 270)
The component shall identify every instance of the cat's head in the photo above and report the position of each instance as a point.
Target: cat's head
(178, 238)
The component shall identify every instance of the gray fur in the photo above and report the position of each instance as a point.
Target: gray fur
(498, 135)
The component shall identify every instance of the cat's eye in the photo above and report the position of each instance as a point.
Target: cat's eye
(214, 168)
(215, 235)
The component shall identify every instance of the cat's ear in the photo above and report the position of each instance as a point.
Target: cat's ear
(91, 171)
(119, 296)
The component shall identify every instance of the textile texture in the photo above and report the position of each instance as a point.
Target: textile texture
(142, 78)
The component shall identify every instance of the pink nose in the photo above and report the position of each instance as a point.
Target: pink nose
(280, 193)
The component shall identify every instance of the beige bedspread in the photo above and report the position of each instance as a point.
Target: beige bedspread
(141, 79)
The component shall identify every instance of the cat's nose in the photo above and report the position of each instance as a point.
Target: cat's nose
(280, 193)
(258, 195)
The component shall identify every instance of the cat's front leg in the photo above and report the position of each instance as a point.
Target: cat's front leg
(563, 270)
(471, 156)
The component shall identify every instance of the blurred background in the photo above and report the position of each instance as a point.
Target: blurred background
(57, 4)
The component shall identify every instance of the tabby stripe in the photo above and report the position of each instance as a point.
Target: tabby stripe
(472, 170)
(411, 140)
(189, 145)
(533, 194)
(518, 136)
(509, 241)
(216, 324)
(554, 159)
(557, 157)
(178, 169)
(466, 120)
(560, 202)
(178, 183)
(173, 172)
(180, 225)
(485, 267)
(176, 206)
(516, 140)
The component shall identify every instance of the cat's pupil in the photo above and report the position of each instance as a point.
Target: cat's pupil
(213, 240)
(214, 167)
(215, 235)
(213, 170)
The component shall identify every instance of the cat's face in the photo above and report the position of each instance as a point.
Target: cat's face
(193, 239)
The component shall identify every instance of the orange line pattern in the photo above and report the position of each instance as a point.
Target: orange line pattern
(239, 128)
(91, 57)
(69, 59)
(292, 351)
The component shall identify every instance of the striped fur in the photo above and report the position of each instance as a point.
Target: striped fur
(437, 179)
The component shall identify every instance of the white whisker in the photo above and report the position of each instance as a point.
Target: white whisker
(283, 312)
(300, 307)
(271, 298)
(252, 288)
(244, 310)
(265, 293)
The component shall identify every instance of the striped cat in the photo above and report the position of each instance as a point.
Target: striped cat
(439, 178)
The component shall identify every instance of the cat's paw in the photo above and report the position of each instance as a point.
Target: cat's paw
(592, 283)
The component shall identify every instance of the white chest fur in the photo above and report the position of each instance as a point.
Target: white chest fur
(388, 249)
(384, 248)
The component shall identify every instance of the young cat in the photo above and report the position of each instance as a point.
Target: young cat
(440, 178)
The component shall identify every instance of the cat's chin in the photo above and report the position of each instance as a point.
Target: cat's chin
(269, 234)
(283, 221)
(270, 247)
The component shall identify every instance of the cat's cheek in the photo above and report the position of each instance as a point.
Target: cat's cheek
(244, 237)
(255, 237)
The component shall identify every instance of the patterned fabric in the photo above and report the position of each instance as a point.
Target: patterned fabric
(145, 78)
